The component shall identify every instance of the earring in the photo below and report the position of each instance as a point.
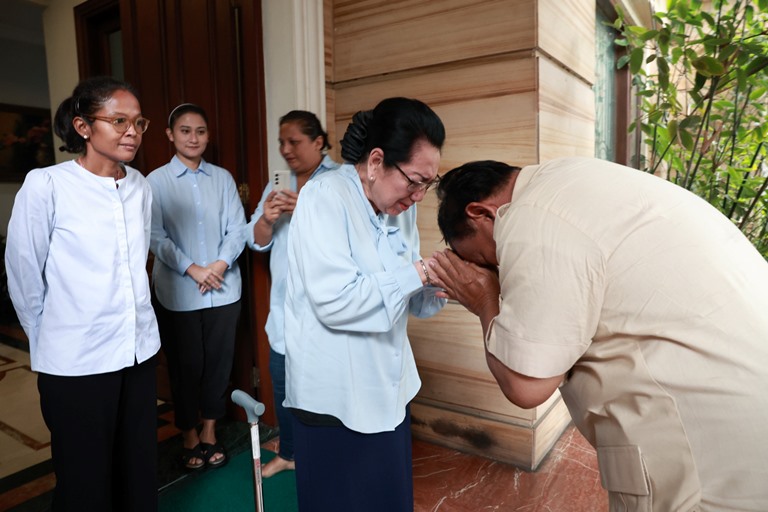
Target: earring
(371, 177)
(85, 137)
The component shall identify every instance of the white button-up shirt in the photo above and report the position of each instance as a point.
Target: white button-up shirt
(76, 261)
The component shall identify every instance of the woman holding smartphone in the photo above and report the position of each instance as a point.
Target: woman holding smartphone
(303, 143)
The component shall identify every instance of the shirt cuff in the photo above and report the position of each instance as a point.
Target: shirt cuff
(408, 279)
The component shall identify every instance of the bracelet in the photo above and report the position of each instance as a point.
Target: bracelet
(426, 274)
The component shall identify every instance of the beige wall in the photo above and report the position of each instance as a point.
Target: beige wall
(61, 55)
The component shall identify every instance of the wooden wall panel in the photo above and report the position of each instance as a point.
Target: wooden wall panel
(462, 391)
(499, 128)
(451, 341)
(376, 37)
(330, 90)
(448, 83)
(566, 31)
(566, 113)
(492, 438)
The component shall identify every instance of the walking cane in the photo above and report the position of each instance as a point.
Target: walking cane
(253, 409)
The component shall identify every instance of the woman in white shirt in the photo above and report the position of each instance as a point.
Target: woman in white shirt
(354, 274)
(76, 258)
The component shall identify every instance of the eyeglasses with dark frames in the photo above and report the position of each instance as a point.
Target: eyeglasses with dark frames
(418, 186)
(121, 124)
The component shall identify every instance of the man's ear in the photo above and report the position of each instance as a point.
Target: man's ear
(479, 211)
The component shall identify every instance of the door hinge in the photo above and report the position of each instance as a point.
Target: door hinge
(245, 193)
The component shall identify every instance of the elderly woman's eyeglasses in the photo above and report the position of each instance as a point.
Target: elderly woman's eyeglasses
(418, 186)
(121, 124)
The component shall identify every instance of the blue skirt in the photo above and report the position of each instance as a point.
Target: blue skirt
(340, 470)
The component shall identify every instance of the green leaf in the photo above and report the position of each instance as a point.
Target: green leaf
(655, 116)
(699, 82)
(690, 122)
(671, 4)
(663, 73)
(695, 96)
(620, 42)
(672, 129)
(757, 93)
(663, 41)
(758, 64)
(622, 61)
(651, 58)
(709, 19)
(635, 60)
(649, 35)
(716, 41)
(686, 139)
(708, 66)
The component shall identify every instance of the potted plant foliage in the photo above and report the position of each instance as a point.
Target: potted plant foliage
(701, 75)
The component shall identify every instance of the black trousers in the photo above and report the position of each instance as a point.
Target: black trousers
(200, 347)
(103, 438)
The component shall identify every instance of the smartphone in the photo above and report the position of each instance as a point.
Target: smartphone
(281, 180)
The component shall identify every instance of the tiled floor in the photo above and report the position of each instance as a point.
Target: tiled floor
(444, 480)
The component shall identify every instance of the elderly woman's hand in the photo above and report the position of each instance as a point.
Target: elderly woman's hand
(475, 287)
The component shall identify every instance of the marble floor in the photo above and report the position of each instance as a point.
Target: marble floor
(444, 480)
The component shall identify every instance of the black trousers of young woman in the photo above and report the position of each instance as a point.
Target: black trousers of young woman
(199, 346)
(340, 470)
(103, 438)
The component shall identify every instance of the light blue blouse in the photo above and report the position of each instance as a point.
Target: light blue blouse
(278, 262)
(351, 284)
(197, 217)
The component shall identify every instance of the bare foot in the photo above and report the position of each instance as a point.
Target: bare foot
(277, 465)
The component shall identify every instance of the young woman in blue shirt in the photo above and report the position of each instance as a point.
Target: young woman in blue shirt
(197, 236)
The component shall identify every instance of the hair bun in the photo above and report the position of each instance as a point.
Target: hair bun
(354, 141)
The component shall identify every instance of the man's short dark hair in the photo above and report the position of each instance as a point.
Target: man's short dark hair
(471, 182)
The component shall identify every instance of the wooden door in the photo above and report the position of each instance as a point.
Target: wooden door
(207, 52)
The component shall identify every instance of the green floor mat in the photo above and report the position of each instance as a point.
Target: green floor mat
(230, 489)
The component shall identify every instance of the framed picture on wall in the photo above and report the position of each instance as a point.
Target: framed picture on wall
(26, 141)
